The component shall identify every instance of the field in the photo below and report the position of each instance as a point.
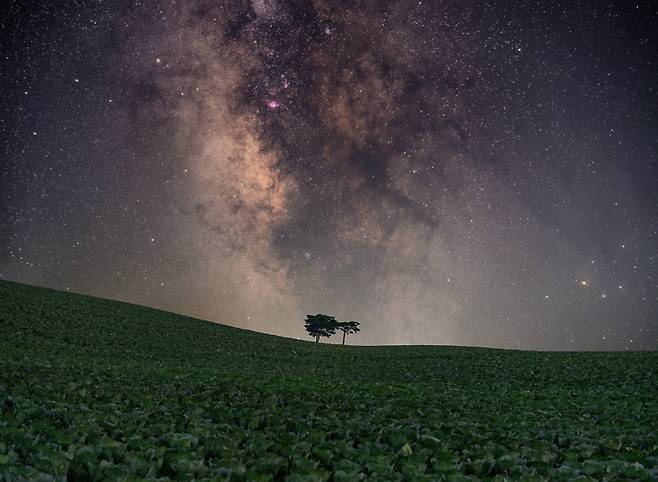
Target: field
(92, 389)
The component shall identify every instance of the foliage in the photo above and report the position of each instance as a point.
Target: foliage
(348, 328)
(98, 390)
(320, 326)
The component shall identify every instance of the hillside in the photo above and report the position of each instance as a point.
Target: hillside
(93, 389)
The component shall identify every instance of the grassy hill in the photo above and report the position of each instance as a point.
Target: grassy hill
(93, 389)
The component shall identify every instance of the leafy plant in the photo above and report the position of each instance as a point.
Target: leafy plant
(96, 390)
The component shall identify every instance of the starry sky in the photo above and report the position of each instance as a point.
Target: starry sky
(444, 172)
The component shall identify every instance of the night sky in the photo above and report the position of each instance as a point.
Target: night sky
(444, 172)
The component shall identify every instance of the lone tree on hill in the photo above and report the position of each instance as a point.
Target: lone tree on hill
(348, 327)
(320, 325)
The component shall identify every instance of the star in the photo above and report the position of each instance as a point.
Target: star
(410, 171)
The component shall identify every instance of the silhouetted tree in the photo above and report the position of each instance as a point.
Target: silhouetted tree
(320, 325)
(348, 327)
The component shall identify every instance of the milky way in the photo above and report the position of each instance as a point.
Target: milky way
(442, 172)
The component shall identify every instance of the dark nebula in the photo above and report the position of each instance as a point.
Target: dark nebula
(445, 172)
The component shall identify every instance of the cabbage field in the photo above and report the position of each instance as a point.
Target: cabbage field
(92, 389)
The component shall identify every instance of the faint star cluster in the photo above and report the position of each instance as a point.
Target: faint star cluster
(470, 173)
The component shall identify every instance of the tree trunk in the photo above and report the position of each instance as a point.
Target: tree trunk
(343, 338)
(317, 338)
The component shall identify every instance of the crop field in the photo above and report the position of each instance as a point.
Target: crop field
(92, 389)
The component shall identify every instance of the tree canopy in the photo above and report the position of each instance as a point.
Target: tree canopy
(320, 326)
(348, 328)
